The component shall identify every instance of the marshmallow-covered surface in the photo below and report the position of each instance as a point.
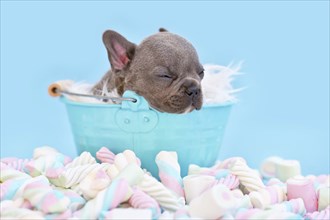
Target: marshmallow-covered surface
(54, 186)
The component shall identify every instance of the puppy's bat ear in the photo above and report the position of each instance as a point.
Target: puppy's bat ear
(120, 51)
(162, 30)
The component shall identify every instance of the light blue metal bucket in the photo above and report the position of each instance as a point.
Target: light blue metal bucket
(196, 136)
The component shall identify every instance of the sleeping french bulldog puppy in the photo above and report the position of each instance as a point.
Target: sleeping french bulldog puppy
(164, 69)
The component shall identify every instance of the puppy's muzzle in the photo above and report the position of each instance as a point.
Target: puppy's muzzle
(193, 92)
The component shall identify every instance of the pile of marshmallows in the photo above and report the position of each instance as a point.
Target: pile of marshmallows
(53, 186)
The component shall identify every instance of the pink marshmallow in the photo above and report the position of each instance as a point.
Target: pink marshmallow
(231, 181)
(301, 187)
(105, 155)
(141, 200)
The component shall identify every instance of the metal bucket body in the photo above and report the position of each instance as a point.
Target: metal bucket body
(196, 136)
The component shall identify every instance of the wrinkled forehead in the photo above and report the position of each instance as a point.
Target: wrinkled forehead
(169, 49)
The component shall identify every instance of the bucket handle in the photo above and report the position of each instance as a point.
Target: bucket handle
(59, 88)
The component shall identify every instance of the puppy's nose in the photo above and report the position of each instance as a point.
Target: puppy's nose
(193, 90)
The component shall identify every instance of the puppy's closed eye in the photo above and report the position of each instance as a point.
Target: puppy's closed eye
(166, 76)
(201, 74)
(164, 73)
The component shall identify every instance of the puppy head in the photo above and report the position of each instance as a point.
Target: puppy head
(164, 69)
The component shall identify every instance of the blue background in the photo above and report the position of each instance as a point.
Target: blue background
(285, 45)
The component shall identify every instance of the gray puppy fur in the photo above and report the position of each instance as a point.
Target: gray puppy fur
(164, 69)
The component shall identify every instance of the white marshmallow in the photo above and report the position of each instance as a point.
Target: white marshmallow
(131, 157)
(44, 151)
(120, 161)
(237, 193)
(244, 202)
(323, 198)
(213, 204)
(195, 185)
(195, 169)
(287, 169)
(269, 165)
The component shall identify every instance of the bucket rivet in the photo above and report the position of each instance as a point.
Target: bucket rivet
(127, 121)
(146, 119)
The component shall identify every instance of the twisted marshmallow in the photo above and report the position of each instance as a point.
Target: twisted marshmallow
(21, 203)
(58, 216)
(85, 158)
(16, 163)
(45, 158)
(93, 183)
(40, 165)
(294, 205)
(141, 200)
(13, 189)
(44, 198)
(8, 173)
(121, 161)
(322, 215)
(45, 151)
(231, 181)
(8, 210)
(12, 182)
(131, 157)
(73, 176)
(248, 177)
(105, 155)
(119, 191)
(76, 201)
(267, 196)
(159, 192)
(230, 162)
(169, 171)
(135, 176)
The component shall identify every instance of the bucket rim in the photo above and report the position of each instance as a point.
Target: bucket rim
(66, 101)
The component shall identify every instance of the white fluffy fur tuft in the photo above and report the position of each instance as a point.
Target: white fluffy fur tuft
(217, 83)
